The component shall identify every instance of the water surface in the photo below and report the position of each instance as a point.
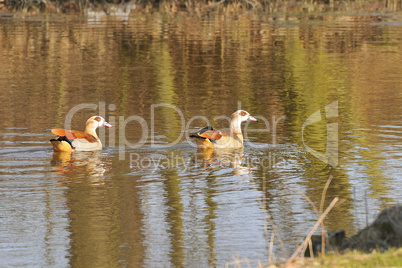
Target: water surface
(164, 203)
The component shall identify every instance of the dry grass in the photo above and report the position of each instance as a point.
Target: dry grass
(347, 259)
(389, 258)
(191, 6)
(298, 255)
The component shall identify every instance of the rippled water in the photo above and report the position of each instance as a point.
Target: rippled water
(164, 203)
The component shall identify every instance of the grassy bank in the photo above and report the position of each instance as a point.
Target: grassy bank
(389, 258)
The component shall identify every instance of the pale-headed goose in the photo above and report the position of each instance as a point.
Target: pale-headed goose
(207, 137)
(74, 140)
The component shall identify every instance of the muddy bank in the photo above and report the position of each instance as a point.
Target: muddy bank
(384, 233)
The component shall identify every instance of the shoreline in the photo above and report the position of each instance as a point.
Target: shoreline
(200, 7)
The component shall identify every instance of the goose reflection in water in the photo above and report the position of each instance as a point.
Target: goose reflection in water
(88, 164)
(212, 158)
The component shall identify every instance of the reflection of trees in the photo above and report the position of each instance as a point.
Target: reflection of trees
(274, 64)
(105, 218)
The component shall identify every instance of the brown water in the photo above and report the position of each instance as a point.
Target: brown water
(149, 198)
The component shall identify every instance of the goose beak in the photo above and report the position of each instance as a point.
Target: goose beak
(250, 118)
(106, 124)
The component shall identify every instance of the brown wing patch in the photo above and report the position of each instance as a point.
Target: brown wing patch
(83, 135)
(64, 133)
(211, 134)
(73, 134)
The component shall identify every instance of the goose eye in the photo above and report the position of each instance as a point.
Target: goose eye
(243, 113)
(98, 118)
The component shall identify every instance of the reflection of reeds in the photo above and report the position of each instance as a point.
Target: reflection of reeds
(275, 229)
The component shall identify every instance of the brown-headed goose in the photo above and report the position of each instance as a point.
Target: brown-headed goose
(207, 137)
(74, 140)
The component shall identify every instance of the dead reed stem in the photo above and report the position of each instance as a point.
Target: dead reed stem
(305, 242)
(324, 192)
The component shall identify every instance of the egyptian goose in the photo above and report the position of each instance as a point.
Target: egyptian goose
(74, 140)
(207, 137)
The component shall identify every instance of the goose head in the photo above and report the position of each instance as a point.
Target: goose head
(96, 121)
(242, 116)
(237, 118)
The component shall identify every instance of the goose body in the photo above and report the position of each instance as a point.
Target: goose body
(208, 137)
(74, 140)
